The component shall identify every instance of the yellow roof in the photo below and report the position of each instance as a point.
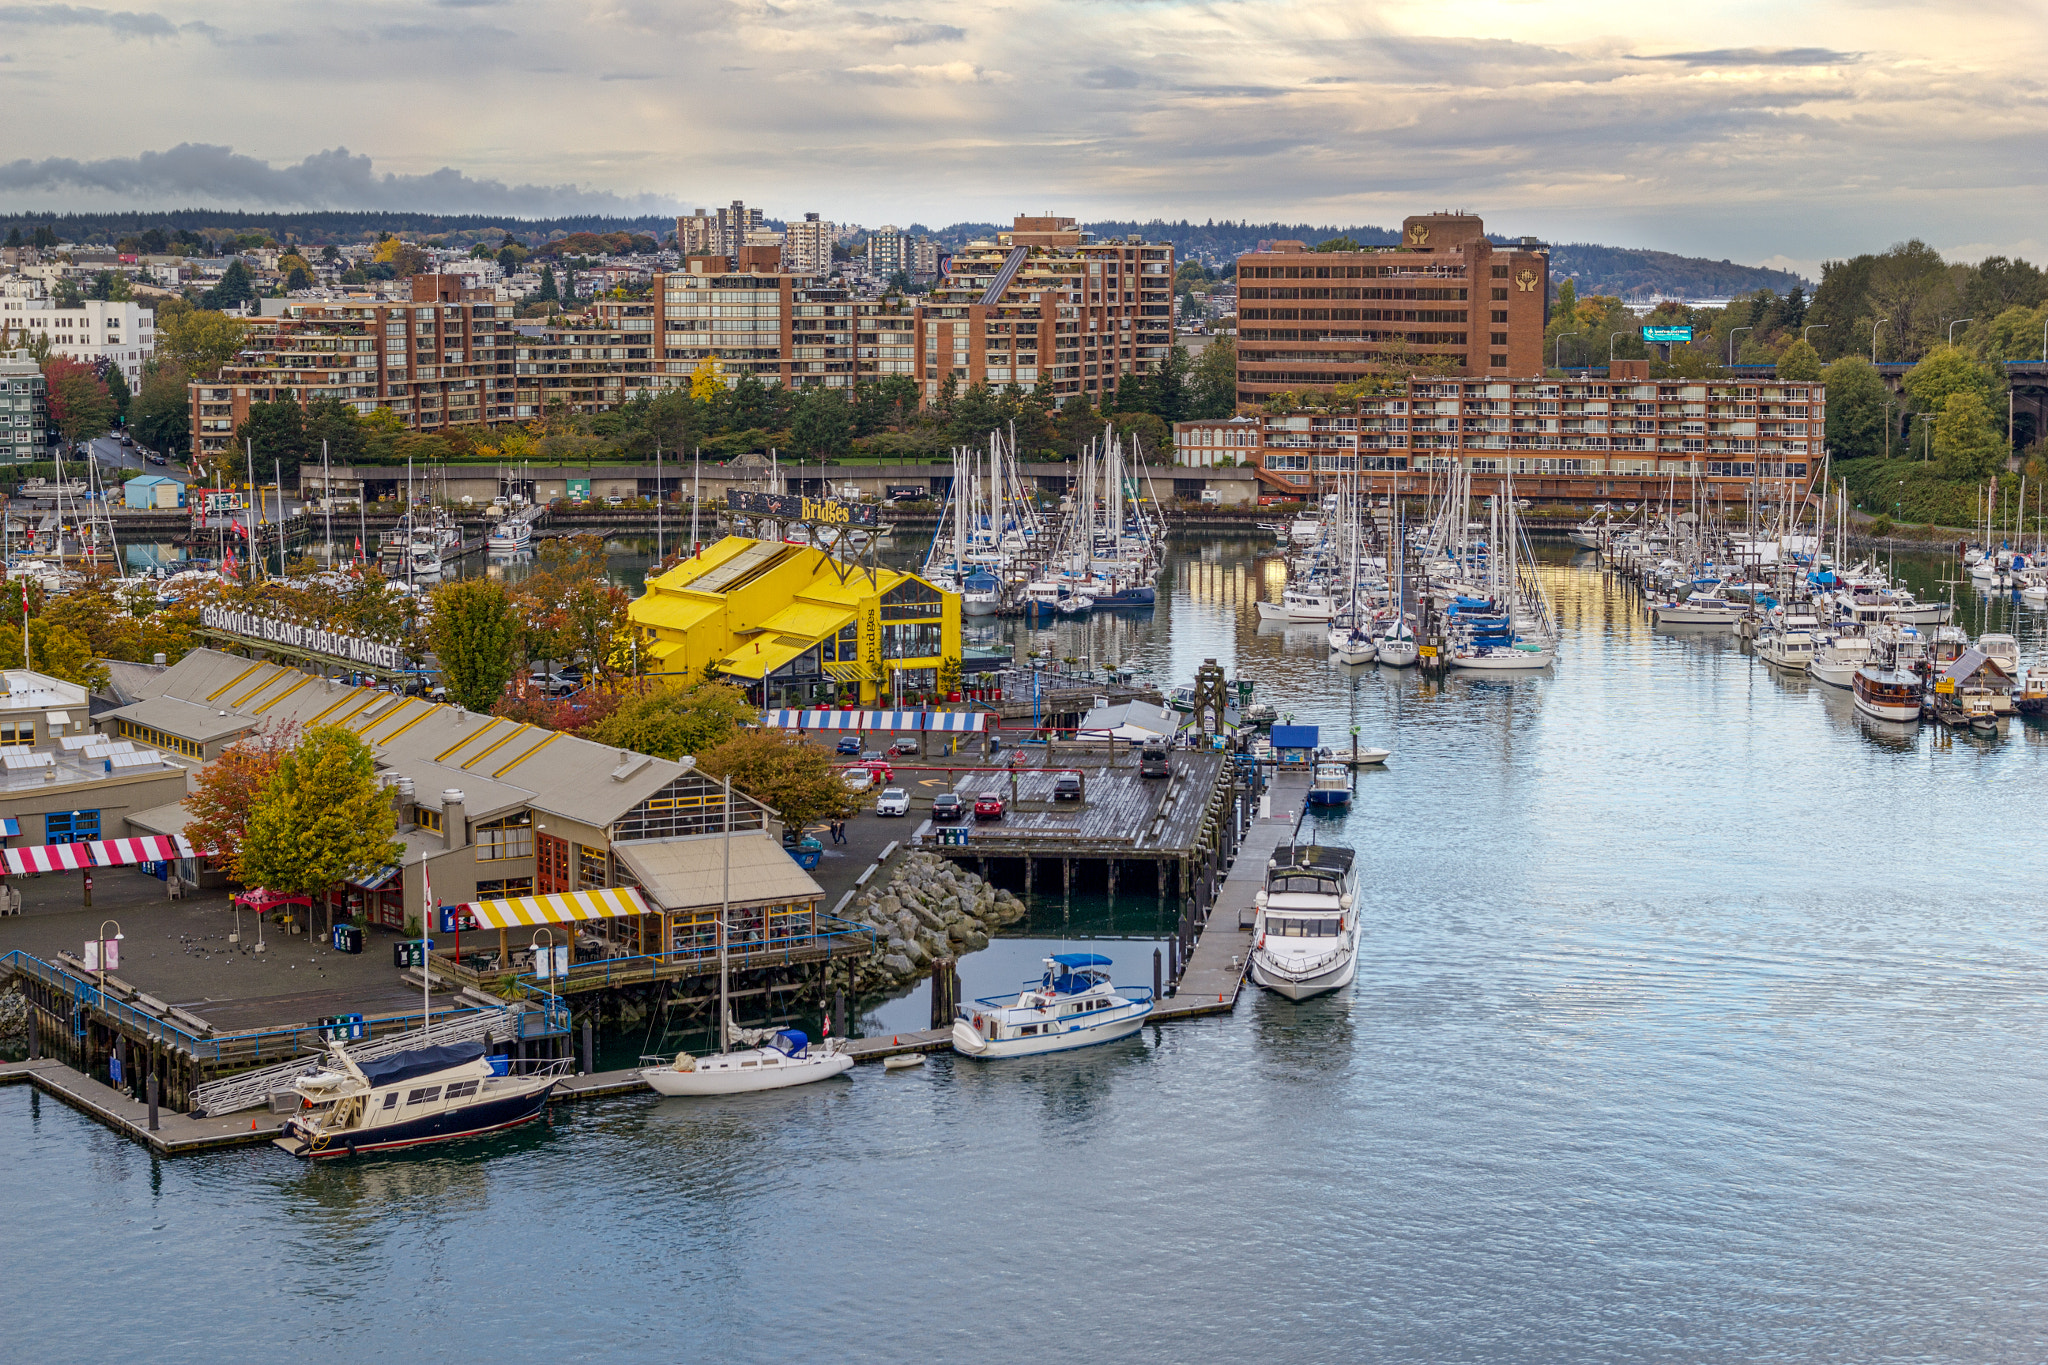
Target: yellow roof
(666, 611)
(808, 618)
(703, 562)
(759, 658)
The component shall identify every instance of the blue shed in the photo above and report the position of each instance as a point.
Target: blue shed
(149, 492)
(1295, 744)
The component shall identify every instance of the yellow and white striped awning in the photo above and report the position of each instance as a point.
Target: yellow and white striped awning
(530, 911)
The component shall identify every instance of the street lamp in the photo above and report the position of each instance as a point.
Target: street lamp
(1558, 350)
(1812, 327)
(1873, 338)
(1731, 342)
(118, 937)
(1952, 329)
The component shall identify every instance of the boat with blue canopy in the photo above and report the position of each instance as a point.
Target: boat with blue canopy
(1072, 1004)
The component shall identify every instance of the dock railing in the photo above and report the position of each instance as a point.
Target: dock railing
(630, 969)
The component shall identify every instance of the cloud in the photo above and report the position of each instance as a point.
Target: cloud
(125, 23)
(1111, 78)
(942, 73)
(195, 173)
(1755, 56)
(907, 32)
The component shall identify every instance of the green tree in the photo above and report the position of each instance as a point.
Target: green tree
(1967, 441)
(1078, 424)
(1799, 361)
(53, 649)
(198, 341)
(1339, 244)
(117, 387)
(676, 719)
(110, 285)
(80, 406)
(792, 778)
(225, 791)
(339, 425)
(273, 438)
(66, 294)
(823, 425)
(474, 634)
(2016, 334)
(1856, 414)
(235, 289)
(321, 819)
(1946, 372)
(1212, 382)
(160, 415)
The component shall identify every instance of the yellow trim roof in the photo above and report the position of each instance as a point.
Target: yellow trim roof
(809, 618)
(758, 658)
(665, 611)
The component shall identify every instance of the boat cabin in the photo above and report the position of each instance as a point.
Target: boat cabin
(1294, 746)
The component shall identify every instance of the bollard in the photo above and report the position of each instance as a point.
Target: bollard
(152, 1101)
(589, 1050)
(1157, 986)
(35, 1050)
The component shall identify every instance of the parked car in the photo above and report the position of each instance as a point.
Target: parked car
(127, 440)
(1066, 787)
(553, 684)
(155, 458)
(1154, 762)
(849, 745)
(948, 806)
(903, 746)
(988, 806)
(893, 801)
(874, 756)
(857, 779)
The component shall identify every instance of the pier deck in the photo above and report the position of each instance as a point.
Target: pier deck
(1215, 971)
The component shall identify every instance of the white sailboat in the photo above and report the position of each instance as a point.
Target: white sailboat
(774, 1059)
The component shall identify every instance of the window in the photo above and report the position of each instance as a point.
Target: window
(17, 734)
(505, 887)
(462, 1090)
(511, 837)
(1496, 362)
(391, 1100)
(593, 867)
(71, 826)
(911, 601)
(1500, 272)
(424, 1095)
(427, 819)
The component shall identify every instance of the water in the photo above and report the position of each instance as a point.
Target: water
(1698, 1021)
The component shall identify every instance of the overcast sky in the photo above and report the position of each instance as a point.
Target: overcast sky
(1767, 133)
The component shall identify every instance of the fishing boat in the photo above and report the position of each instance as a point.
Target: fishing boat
(1305, 934)
(1331, 785)
(1071, 1005)
(407, 1099)
(1888, 686)
(512, 533)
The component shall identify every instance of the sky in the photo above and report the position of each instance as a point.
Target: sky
(1772, 134)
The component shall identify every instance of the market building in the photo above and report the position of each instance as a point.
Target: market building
(794, 625)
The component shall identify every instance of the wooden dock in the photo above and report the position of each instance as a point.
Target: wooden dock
(1215, 970)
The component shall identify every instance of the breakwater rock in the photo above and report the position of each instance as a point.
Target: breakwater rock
(930, 909)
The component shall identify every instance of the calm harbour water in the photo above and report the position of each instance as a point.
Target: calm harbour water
(1698, 1020)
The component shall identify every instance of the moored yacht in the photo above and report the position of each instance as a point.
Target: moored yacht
(1305, 937)
(1331, 785)
(1300, 604)
(1889, 686)
(783, 1057)
(1071, 1005)
(426, 1094)
(1837, 658)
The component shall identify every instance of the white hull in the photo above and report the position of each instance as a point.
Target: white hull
(1266, 973)
(1275, 611)
(1349, 651)
(1678, 614)
(1924, 614)
(1398, 653)
(1833, 674)
(740, 1073)
(976, 604)
(1120, 1024)
(1506, 661)
(1899, 714)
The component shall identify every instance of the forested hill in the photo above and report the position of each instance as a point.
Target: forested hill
(316, 226)
(1630, 272)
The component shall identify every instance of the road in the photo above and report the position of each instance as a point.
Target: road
(110, 452)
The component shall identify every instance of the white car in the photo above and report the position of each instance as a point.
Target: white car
(857, 779)
(893, 801)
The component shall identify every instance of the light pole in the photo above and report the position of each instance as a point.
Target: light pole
(1952, 329)
(1873, 338)
(104, 941)
(1927, 451)
(1558, 350)
(1731, 342)
(1813, 327)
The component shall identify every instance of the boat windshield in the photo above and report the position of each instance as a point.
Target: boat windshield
(1302, 927)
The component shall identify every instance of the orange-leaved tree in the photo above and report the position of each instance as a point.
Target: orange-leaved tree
(226, 789)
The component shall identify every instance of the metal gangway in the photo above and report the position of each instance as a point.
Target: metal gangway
(248, 1089)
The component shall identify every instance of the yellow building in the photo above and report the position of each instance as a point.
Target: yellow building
(793, 625)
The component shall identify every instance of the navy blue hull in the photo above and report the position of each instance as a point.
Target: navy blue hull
(1129, 597)
(468, 1121)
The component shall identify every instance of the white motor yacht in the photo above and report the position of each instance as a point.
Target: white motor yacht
(1888, 686)
(1071, 1005)
(1700, 609)
(1788, 640)
(1300, 604)
(1305, 936)
(1837, 658)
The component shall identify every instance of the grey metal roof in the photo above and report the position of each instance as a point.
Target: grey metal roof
(195, 721)
(679, 874)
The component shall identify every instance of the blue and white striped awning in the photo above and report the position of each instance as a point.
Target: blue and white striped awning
(957, 722)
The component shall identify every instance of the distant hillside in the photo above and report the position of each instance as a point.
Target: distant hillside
(311, 227)
(1632, 273)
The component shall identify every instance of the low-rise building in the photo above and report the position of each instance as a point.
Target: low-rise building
(122, 334)
(793, 626)
(24, 409)
(1205, 443)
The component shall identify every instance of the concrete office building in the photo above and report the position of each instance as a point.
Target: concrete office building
(1045, 306)
(123, 334)
(1446, 296)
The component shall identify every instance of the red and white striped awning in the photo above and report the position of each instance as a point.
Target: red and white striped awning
(155, 848)
(49, 858)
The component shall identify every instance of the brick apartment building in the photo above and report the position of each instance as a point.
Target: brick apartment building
(1313, 319)
(1045, 305)
(1625, 435)
(758, 319)
(444, 359)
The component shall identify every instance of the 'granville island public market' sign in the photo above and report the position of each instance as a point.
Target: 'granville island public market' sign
(268, 630)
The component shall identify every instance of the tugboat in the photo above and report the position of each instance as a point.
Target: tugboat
(427, 1094)
(1072, 1005)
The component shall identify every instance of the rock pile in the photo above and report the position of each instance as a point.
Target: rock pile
(930, 909)
(13, 1017)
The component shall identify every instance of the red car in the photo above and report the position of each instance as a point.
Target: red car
(988, 806)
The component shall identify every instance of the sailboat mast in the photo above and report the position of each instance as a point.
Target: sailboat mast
(724, 930)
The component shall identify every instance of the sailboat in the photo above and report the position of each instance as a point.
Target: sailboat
(1351, 632)
(773, 1059)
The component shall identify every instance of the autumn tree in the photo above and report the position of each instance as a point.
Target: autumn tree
(792, 778)
(80, 406)
(1967, 440)
(321, 819)
(674, 720)
(475, 636)
(225, 791)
